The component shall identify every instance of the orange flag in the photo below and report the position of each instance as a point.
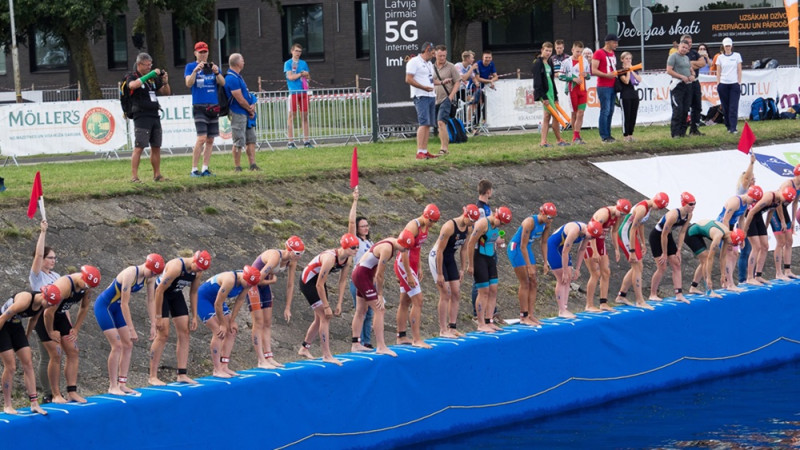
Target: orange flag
(791, 19)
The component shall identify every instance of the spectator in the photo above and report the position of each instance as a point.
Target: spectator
(447, 75)
(468, 70)
(203, 78)
(544, 90)
(680, 69)
(297, 76)
(702, 50)
(629, 97)
(419, 75)
(242, 113)
(604, 66)
(674, 48)
(696, 102)
(576, 86)
(729, 78)
(558, 56)
(486, 74)
(145, 84)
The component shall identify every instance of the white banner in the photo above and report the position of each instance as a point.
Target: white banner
(61, 127)
(177, 123)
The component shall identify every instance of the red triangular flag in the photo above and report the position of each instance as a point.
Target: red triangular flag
(36, 192)
(747, 140)
(354, 169)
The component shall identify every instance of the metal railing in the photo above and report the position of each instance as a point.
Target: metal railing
(333, 114)
(73, 94)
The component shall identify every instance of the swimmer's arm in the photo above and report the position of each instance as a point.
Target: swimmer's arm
(290, 284)
(226, 284)
(527, 226)
(82, 311)
(444, 234)
(343, 278)
(351, 219)
(31, 323)
(327, 262)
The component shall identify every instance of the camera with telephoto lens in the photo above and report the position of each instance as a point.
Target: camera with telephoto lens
(208, 68)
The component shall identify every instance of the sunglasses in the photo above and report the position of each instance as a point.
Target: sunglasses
(51, 257)
(354, 248)
(298, 253)
(202, 51)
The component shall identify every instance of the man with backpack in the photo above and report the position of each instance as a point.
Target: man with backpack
(204, 78)
(446, 91)
(141, 88)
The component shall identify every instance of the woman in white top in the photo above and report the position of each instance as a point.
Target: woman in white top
(729, 78)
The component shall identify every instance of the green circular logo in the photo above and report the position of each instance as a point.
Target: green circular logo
(98, 126)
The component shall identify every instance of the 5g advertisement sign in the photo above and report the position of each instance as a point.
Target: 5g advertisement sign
(399, 28)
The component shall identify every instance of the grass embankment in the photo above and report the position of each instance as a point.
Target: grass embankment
(108, 178)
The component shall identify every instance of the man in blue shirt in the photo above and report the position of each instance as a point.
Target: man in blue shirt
(243, 107)
(297, 77)
(203, 77)
(487, 74)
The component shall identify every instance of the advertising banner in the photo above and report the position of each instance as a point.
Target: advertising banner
(400, 27)
(177, 123)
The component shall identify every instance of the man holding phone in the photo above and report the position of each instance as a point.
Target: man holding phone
(203, 77)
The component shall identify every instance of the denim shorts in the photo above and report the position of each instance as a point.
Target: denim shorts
(426, 110)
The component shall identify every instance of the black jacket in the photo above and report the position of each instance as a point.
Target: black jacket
(540, 81)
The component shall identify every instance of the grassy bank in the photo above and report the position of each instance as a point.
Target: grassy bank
(104, 178)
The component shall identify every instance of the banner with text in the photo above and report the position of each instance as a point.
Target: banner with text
(400, 27)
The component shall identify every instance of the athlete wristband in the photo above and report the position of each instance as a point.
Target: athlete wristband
(631, 249)
(145, 78)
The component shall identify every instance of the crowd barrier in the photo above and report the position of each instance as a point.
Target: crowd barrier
(463, 385)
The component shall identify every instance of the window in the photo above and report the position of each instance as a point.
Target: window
(230, 42)
(303, 24)
(362, 29)
(116, 38)
(521, 31)
(178, 43)
(48, 52)
(2, 60)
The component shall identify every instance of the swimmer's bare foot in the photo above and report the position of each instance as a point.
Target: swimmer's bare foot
(591, 309)
(734, 289)
(762, 280)
(714, 295)
(789, 274)
(494, 327)
(152, 381)
(271, 360)
(185, 379)
(38, 409)
(9, 410)
(59, 399)
(644, 304)
(681, 298)
(753, 282)
(447, 335)
(421, 344)
(694, 290)
(306, 353)
(566, 315)
(265, 365)
(74, 397)
(485, 328)
(403, 341)
(782, 277)
(220, 374)
(623, 300)
(655, 298)
(528, 321)
(385, 351)
(332, 360)
(458, 333)
(128, 391)
(606, 307)
(116, 391)
(230, 372)
(357, 347)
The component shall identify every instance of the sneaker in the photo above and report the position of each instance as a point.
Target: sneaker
(195, 174)
(254, 167)
(291, 145)
(696, 133)
(563, 144)
(238, 169)
(609, 140)
(207, 173)
(425, 155)
(578, 141)
(733, 131)
(308, 144)
(545, 145)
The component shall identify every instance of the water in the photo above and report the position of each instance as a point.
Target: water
(755, 410)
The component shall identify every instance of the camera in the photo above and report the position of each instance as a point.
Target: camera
(208, 68)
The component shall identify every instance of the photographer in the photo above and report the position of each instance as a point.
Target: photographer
(204, 77)
(145, 84)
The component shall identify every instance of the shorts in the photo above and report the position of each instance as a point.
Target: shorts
(443, 110)
(655, 244)
(109, 316)
(449, 266)
(61, 324)
(205, 308)
(309, 290)
(259, 297)
(554, 254)
(757, 226)
(426, 110)
(12, 336)
(363, 281)
(241, 134)
(775, 221)
(400, 272)
(485, 270)
(579, 99)
(600, 244)
(174, 304)
(298, 100)
(147, 132)
(696, 243)
(205, 126)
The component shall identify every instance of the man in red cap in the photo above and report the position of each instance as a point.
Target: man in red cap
(204, 78)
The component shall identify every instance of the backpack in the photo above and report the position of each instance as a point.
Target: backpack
(456, 131)
(758, 109)
(714, 115)
(125, 98)
(771, 109)
(223, 101)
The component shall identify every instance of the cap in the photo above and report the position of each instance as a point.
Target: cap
(611, 37)
(594, 228)
(504, 214)
(755, 192)
(155, 263)
(737, 236)
(472, 212)
(788, 193)
(251, 275)
(796, 170)
(431, 212)
(90, 275)
(203, 259)
(348, 241)
(686, 198)
(406, 239)
(548, 209)
(51, 294)
(200, 46)
(661, 200)
(624, 205)
(296, 245)
(727, 41)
